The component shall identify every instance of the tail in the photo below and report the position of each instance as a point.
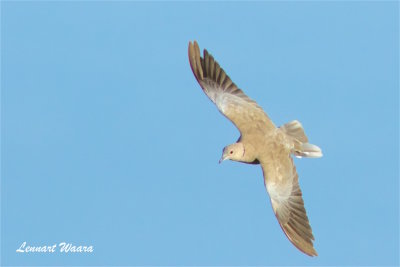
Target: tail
(302, 147)
(308, 150)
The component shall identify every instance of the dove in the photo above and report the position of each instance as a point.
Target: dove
(263, 143)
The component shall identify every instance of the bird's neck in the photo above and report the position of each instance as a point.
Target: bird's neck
(249, 155)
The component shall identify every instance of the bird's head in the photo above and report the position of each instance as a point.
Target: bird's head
(233, 152)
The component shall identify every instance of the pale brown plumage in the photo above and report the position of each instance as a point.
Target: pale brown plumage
(261, 142)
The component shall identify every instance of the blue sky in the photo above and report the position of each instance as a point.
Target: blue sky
(108, 140)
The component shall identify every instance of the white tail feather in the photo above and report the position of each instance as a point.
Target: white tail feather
(302, 149)
(308, 151)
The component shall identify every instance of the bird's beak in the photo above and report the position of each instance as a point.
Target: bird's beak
(222, 159)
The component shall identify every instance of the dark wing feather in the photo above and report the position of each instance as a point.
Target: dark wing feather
(282, 183)
(229, 99)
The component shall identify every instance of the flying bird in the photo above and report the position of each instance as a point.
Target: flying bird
(261, 142)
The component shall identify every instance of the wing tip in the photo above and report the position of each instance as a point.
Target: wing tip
(194, 43)
(195, 60)
(307, 247)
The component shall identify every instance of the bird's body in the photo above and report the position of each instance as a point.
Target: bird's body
(261, 142)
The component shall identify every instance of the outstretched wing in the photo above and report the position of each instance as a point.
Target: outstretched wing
(229, 99)
(282, 183)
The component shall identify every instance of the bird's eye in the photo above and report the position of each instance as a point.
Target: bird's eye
(231, 152)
